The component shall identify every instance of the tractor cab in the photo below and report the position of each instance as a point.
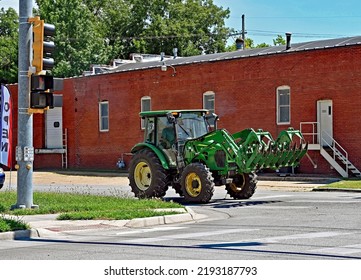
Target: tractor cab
(169, 130)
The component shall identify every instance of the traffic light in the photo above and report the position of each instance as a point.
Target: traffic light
(41, 94)
(43, 47)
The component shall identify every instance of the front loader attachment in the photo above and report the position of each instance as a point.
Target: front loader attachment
(259, 150)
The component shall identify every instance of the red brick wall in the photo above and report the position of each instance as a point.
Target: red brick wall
(245, 97)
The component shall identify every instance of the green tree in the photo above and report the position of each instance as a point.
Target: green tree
(279, 41)
(121, 23)
(97, 31)
(154, 26)
(263, 45)
(192, 26)
(78, 41)
(8, 46)
(249, 44)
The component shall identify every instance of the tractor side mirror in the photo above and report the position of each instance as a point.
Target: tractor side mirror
(212, 119)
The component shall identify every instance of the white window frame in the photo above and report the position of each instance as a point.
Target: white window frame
(142, 109)
(101, 117)
(279, 106)
(205, 95)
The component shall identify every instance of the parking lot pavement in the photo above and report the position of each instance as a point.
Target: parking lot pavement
(120, 179)
(98, 182)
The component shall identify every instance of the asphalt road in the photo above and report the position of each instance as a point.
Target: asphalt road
(283, 222)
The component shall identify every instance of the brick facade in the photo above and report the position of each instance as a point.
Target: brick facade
(245, 96)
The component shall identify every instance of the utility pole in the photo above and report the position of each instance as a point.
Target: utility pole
(24, 149)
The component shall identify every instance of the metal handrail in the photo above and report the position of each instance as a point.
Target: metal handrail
(315, 135)
(335, 146)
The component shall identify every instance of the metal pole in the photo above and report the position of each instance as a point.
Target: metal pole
(24, 149)
(243, 32)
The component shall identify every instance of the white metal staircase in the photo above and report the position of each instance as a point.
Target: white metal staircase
(64, 156)
(329, 148)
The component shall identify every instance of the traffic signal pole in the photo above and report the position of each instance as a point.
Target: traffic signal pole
(24, 149)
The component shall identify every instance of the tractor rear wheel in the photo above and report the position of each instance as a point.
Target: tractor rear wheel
(197, 183)
(243, 186)
(147, 177)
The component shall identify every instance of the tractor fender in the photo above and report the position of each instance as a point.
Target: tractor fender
(157, 151)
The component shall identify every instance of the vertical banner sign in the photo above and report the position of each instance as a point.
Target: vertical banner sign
(5, 127)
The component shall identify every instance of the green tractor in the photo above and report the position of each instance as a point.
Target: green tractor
(185, 150)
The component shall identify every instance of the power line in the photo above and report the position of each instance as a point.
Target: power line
(159, 37)
(249, 32)
(295, 34)
(297, 17)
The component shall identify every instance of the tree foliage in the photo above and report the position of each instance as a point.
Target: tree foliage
(191, 26)
(8, 46)
(279, 41)
(97, 31)
(249, 44)
(78, 40)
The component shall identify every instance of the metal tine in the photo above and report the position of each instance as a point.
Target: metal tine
(294, 150)
(268, 145)
(252, 155)
(287, 154)
(294, 154)
(262, 149)
(273, 158)
(257, 160)
(300, 153)
(303, 151)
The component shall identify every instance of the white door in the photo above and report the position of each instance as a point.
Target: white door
(54, 128)
(324, 118)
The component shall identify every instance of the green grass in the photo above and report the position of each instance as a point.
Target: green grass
(344, 184)
(87, 207)
(12, 224)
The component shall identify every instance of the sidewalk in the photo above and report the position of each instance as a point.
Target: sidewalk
(47, 225)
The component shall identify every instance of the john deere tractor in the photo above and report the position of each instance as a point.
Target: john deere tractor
(184, 149)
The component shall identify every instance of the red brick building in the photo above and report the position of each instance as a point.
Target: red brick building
(271, 88)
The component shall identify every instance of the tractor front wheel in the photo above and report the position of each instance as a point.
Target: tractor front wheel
(147, 177)
(197, 183)
(243, 186)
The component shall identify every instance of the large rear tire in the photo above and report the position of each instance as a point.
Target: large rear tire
(147, 177)
(243, 186)
(197, 183)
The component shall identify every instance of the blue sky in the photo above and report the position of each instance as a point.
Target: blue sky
(306, 19)
(11, 3)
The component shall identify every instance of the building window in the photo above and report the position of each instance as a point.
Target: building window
(208, 101)
(145, 106)
(283, 105)
(104, 116)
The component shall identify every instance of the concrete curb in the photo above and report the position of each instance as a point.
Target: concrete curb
(50, 228)
(315, 179)
(19, 234)
(335, 190)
